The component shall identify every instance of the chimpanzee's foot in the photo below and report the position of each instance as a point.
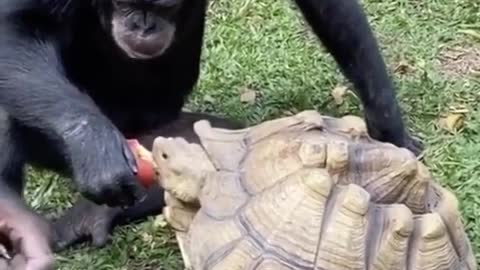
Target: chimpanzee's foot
(84, 221)
(88, 221)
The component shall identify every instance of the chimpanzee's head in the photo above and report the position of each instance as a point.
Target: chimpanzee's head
(143, 29)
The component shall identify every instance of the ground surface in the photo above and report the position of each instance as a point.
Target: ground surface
(432, 49)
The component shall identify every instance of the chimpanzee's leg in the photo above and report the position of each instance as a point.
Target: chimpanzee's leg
(88, 220)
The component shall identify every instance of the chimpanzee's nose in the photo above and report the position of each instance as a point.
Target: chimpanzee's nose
(143, 23)
(149, 26)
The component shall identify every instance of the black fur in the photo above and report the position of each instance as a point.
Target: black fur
(71, 97)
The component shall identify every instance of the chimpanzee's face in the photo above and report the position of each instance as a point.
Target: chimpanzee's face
(144, 29)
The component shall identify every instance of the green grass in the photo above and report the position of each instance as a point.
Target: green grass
(263, 45)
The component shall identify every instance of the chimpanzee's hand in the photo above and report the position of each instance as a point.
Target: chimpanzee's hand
(104, 167)
(413, 144)
(25, 237)
(391, 130)
(403, 139)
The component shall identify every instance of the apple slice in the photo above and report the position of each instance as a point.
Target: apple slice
(146, 169)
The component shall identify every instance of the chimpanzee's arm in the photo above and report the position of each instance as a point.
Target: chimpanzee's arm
(35, 92)
(344, 30)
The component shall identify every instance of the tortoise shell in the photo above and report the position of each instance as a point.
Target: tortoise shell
(306, 192)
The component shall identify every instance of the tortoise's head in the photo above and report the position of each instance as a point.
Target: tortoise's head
(181, 167)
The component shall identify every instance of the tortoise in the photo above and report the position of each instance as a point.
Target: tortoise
(306, 192)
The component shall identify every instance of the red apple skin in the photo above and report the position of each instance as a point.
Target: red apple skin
(146, 172)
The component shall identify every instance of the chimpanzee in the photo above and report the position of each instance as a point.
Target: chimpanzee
(78, 77)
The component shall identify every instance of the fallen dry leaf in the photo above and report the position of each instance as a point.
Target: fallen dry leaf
(339, 94)
(404, 68)
(452, 121)
(248, 96)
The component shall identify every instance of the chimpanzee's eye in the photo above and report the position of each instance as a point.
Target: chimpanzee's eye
(123, 5)
(166, 3)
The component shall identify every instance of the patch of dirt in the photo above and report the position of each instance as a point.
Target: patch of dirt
(460, 61)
